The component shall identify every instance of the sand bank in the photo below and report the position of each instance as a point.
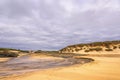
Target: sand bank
(4, 59)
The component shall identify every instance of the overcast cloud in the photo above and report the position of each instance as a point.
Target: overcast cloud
(54, 24)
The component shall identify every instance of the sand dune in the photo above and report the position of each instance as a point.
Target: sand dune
(103, 68)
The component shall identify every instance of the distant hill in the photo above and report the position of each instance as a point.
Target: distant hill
(8, 52)
(13, 50)
(94, 47)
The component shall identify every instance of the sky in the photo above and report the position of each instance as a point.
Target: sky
(54, 24)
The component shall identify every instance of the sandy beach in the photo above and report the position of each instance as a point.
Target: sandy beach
(34, 62)
(103, 68)
(59, 39)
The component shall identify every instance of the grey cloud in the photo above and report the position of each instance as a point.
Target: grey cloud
(52, 25)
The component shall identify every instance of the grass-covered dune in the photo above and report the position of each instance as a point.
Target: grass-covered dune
(9, 52)
(106, 46)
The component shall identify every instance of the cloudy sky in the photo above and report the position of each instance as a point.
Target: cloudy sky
(54, 24)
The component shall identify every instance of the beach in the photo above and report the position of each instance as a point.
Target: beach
(103, 68)
(36, 62)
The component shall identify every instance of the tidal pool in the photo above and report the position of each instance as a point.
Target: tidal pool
(26, 64)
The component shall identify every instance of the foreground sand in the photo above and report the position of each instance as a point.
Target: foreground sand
(103, 68)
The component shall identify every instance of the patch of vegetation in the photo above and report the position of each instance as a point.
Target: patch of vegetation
(93, 49)
(87, 50)
(8, 54)
(114, 47)
(119, 47)
(108, 49)
(77, 50)
(38, 51)
(107, 45)
(98, 49)
(2, 49)
(51, 52)
(24, 51)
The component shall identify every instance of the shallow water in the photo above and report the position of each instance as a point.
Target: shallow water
(26, 63)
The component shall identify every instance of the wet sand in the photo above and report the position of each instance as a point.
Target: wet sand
(103, 68)
(28, 63)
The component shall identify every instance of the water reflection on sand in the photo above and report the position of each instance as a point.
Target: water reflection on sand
(26, 63)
